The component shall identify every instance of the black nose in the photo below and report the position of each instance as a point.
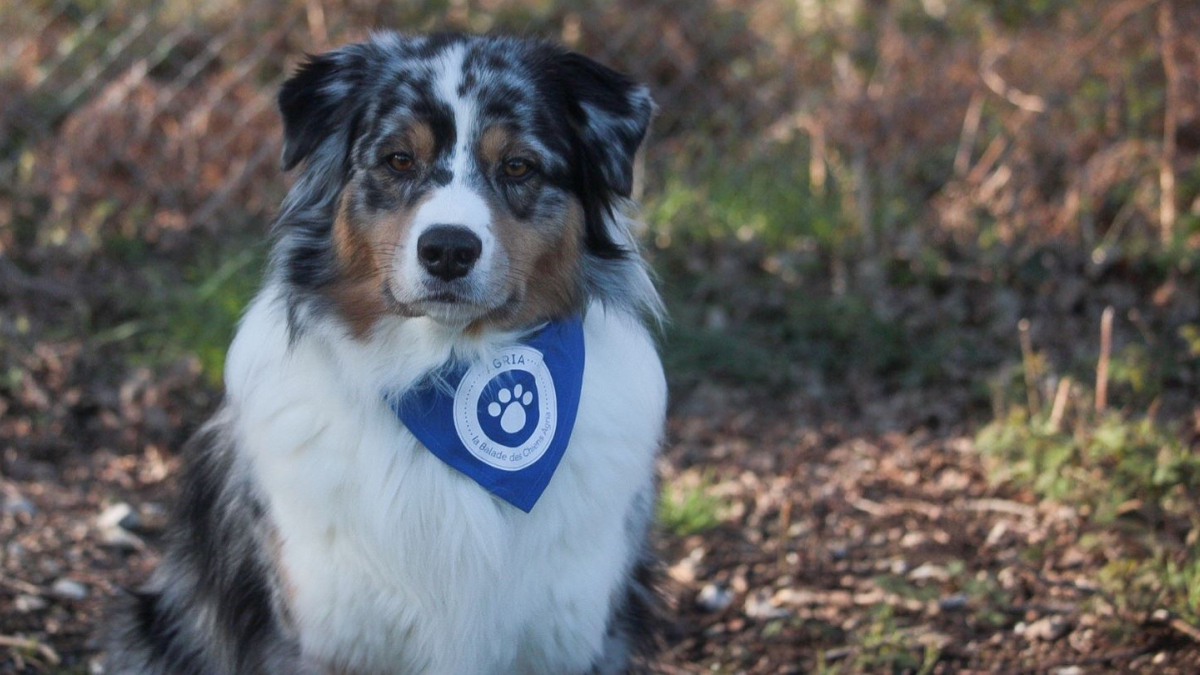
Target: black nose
(448, 251)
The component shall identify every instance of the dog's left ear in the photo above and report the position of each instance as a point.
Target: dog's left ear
(611, 112)
(318, 106)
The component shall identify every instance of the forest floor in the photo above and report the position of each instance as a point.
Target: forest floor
(837, 547)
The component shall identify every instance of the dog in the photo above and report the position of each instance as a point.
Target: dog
(437, 446)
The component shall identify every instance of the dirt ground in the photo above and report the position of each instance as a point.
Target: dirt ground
(841, 547)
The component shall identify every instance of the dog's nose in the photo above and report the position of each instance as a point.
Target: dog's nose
(448, 251)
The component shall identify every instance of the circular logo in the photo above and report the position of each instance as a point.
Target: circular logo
(505, 409)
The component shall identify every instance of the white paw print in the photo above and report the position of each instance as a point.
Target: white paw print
(512, 404)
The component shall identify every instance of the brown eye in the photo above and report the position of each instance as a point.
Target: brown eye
(401, 162)
(517, 167)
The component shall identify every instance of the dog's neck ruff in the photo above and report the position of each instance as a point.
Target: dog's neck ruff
(505, 419)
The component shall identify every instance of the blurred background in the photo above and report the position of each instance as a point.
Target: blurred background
(932, 267)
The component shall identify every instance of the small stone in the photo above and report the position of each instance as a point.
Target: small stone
(15, 551)
(837, 654)
(795, 596)
(714, 598)
(952, 603)
(1046, 629)
(759, 605)
(29, 603)
(117, 515)
(1068, 670)
(115, 524)
(13, 503)
(121, 540)
(69, 589)
(929, 571)
(685, 570)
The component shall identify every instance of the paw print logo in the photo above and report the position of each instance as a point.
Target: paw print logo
(510, 406)
(506, 410)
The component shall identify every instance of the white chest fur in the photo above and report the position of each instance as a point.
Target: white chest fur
(396, 562)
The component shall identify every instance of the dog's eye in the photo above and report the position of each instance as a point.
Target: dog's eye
(517, 167)
(401, 162)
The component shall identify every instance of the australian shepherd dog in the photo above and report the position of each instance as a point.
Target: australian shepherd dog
(436, 449)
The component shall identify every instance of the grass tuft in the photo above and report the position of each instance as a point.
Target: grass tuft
(689, 507)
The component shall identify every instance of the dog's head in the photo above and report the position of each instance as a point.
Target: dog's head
(468, 179)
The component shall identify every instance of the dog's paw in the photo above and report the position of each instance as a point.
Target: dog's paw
(510, 408)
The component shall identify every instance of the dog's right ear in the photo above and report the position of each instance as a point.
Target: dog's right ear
(318, 104)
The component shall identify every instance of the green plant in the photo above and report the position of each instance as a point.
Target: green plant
(200, 317)
(1102, 463)
(884, 646)
(689, 507)
(1110, 463)
(714, 196)
(181, 307)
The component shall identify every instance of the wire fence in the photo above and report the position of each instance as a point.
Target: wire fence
(148, 120)
(155, 118)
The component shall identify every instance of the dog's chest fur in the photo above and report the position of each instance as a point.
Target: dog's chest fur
(392, 561)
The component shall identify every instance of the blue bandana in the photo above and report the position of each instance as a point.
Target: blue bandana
(504, 422)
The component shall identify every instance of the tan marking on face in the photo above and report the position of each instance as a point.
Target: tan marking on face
(420, 137)
(494, 145)
(544, 271)
(364, 249)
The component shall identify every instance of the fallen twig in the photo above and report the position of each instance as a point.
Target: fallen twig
(45, 651)
(1027, 102)
(1186, 628)
(20, 586)
(1002, 506)
(1099, 659)
(1027, 363)
(1060, 403)
(1106, 322)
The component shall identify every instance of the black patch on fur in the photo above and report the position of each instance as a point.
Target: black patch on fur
(440, 118)
(321, 96)
(498, 109)
(160, 635)
(310, 265)
(638, 614)
(436, 43)
(468, 81)
(209, 609)
(609, 115)
(632, 629)
(596, 203)
(440, 176)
